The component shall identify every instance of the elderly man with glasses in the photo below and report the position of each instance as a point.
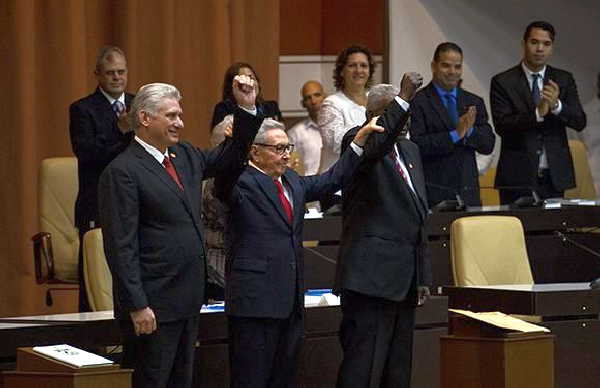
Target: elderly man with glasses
(265, 270)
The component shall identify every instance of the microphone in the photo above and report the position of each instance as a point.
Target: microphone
(524, 201)
(448, 204)
(594, 284)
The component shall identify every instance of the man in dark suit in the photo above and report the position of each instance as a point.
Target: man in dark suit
(149, 208)
(99, 132)
(264, 294)
(532, 103)
(381, 272)
(449, 124)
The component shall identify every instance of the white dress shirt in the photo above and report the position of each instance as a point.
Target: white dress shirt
(306, 138)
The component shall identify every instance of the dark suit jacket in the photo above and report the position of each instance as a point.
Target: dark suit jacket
(265, 267)
(152, 230)
(381, 248)
(96, 140)
(522, 136)
(448, 164)
(265, 109)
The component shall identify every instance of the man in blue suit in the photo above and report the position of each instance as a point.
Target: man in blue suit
(265, 268)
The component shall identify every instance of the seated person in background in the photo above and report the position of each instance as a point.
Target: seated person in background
(214, 214)
(267, 109)
(449, 124)
(306, 135)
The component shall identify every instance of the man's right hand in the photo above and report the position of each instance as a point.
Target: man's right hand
(144, 321)
(466, 121)
(123, 122)
(411, 82)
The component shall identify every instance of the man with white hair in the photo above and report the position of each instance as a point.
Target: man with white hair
(149, 201)
(264, 288)
(381, 270)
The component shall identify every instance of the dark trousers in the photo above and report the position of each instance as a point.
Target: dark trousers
(377, 339)
(163, 359)
(544, 188)
(263, 352)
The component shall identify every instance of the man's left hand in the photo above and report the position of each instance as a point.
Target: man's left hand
(245, 91)
(363, 134)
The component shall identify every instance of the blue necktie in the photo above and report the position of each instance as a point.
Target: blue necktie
(118, 107)
(451, 106)
(535, 89)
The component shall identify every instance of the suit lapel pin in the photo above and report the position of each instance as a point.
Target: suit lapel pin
(410, 165)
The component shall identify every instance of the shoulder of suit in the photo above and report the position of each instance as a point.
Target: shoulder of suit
(468, 94)
(508, 73)
(89, 99)
(559, 72)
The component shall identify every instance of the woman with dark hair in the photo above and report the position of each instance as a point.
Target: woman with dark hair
(345, 109)
(227, 105)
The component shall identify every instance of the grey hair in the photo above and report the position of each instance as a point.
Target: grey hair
(267, 125)
(106, 53)
(148, 98)
(380, 96)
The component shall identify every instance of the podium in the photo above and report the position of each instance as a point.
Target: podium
(36, 370)
(477, 355)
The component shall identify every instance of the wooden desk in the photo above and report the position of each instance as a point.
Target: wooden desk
(551, 259)
(569, 310)
(319, 361)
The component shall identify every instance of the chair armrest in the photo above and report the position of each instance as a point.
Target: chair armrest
(43, 257)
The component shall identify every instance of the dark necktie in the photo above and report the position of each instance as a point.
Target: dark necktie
(118, 107)
(451, 106)
(171, 170)
(535, 89)
(287, 207)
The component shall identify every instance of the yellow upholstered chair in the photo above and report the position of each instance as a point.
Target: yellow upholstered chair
(98, 280)
(583, 176)
(489, 250)
(56, 247)
(489, 196)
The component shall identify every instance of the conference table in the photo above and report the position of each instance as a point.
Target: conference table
(553, 258)
(569, 310)
(320, 356)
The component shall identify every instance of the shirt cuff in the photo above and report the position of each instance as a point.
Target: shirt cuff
(253, 111)
(454, 136)
(356, 148)
(405, 105)
(558, 108)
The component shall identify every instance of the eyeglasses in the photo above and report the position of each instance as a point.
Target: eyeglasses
(279, 148)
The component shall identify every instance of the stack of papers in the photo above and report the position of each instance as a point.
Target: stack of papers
(320, 297)
(503, 321)
(72, 355)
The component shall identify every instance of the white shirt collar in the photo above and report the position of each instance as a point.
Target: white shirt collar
(529, 72)
(110, 99)
(159, 156)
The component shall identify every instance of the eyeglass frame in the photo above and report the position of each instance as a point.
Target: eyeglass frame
(280, 149)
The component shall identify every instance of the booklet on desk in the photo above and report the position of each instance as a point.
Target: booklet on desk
(503, 321)
(72, 356)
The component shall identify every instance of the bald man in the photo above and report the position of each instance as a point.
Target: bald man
(305, 135)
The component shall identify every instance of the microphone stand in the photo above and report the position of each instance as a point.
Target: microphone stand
(594, 284)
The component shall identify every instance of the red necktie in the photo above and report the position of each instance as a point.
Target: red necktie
(171, 170)
(287, 207)
(398, 167)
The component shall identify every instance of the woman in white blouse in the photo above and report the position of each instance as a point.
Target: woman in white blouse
(345, 109)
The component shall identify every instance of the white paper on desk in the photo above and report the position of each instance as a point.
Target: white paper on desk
(72, 355)
(502, 321)
(329, 299)
(312, 214)
(311, 300)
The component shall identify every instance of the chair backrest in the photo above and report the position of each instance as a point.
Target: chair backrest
(583, 176)
(57, 191)
(489, 250)
(98, 280)
(489, 196)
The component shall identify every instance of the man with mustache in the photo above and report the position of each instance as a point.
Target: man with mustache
(449, 125)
